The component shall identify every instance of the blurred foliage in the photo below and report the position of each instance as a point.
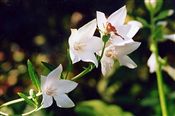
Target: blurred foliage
(39, 30)
(99, 108)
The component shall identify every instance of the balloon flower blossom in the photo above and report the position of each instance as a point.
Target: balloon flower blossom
(54, 87)
(120, 43)
(83, 45)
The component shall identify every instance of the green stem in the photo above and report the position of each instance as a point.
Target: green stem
(154, 48)
(17, 100)
(91, 66)
(3, 114)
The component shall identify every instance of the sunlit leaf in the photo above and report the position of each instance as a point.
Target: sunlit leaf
(29, 101)
(49, 66)
(99, 108)
(143, 21)
(33, 75)
(164, 14)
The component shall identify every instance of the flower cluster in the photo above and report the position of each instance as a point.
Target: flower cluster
(115, 43)
(84, 46)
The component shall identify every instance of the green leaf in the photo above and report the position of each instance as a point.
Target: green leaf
(49, 66)
(164, 14)
(99, 108)
(158, 33)
(143, 21)
(33, 75)
(29, 101)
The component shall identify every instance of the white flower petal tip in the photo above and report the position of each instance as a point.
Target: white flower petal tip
(135, 23)
(152, 63)
(64, 101)
(128, 62)
(118, 17)
(53, 87)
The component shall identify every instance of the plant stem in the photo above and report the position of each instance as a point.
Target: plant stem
(91, 66)
(17, 100)
(154, 49)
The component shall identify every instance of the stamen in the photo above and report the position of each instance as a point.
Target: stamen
(50, 91)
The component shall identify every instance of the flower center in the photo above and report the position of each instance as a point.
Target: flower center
(79, 46)
(111, 54)
(50, 91)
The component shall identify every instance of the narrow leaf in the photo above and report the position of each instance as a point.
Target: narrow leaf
(143, 21)
(29, 101)
(164, 14)
(33, 75)
(49, 66)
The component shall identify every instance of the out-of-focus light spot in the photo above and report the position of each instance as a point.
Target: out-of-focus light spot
(17, 89)
(14, 47)
(18, 56)
(2, 77)
(1, 91)
(41, 57)
(2, 56)
(22, 68)
(75, 18)
(92, 82)
(39, 40)
(12, 78)
(6, 66)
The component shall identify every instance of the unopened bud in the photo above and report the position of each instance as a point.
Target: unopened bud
(153, 5)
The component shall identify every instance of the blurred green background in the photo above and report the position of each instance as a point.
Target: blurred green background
(39, 30)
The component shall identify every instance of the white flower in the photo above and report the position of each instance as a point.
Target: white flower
(120, 43)
(118, 52)
(83, 44)
(115, 26)
(152, 63)
(53, 87)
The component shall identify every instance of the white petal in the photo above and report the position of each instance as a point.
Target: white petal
(47, 101)
(126, 61)
(170, 37)
(118, 17)
(101, 21)
(135, 26)
(123, 30)
(43, 80)
(73, 37)
(94, 44)
(106, 65)
(127, 48)
(65, 86)
(55, 74)
(73, 55)
(89, 57)
(63, 101)
(152, 63)
(117, 40)
(87, 31)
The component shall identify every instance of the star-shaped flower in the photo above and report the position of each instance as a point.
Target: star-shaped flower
(54, 87)
(83, 45)
(118, 52)
(114, 25)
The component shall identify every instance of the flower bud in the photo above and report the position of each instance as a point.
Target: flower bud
(153, 5)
